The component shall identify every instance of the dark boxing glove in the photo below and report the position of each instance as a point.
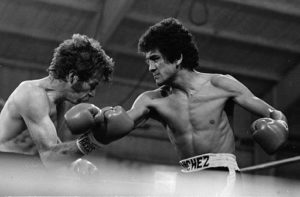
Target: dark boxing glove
(270, 134)
(115, 124)
(109, 125)
(82, 117)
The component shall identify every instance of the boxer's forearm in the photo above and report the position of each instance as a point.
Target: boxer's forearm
(139, 115)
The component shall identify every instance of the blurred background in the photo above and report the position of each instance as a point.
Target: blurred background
(256, 41)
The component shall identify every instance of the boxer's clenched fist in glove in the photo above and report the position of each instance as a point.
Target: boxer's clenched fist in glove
(100, 126)
(115, 124)
(270, 133)
(82, 117)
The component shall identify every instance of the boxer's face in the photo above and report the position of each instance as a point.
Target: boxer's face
(162, 69)
(84, 90)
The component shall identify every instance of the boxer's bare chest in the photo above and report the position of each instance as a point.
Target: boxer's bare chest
(197, 111)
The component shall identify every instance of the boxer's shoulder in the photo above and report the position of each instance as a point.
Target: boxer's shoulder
(149, 98)
(219, 79)
(227, 83)
(151, 94)
(160, 92)
(28, 86)
(28, 95)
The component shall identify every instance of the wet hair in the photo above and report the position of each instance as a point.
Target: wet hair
(82, 55)
(172, 39)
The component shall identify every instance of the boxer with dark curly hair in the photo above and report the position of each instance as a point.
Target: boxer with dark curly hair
(191, 104)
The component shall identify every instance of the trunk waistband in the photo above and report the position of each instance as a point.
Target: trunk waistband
(209, 160)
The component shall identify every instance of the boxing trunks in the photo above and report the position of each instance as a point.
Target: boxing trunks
(209, 160)
(214, 161)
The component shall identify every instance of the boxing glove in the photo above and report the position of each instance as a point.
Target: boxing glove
(111, 124)
(82, 117)
(270, 134)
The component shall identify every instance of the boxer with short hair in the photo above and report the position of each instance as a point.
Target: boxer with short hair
(79, 64)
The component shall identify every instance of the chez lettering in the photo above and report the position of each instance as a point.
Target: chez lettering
(86, 144)
(195, 163)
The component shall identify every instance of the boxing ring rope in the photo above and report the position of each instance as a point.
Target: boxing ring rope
(271, 164)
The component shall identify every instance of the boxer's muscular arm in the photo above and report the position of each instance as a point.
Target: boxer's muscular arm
(139, 111)
(244, 97)
(270, 132)
(34, 109)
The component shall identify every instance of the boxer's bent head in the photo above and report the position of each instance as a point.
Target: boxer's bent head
(83, 56)
(172, 40)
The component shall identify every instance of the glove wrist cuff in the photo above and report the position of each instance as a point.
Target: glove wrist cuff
(87, 143)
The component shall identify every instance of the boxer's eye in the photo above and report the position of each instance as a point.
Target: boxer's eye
(152, 59)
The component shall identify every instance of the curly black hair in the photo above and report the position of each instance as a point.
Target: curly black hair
(82, 55)
(172, 39)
